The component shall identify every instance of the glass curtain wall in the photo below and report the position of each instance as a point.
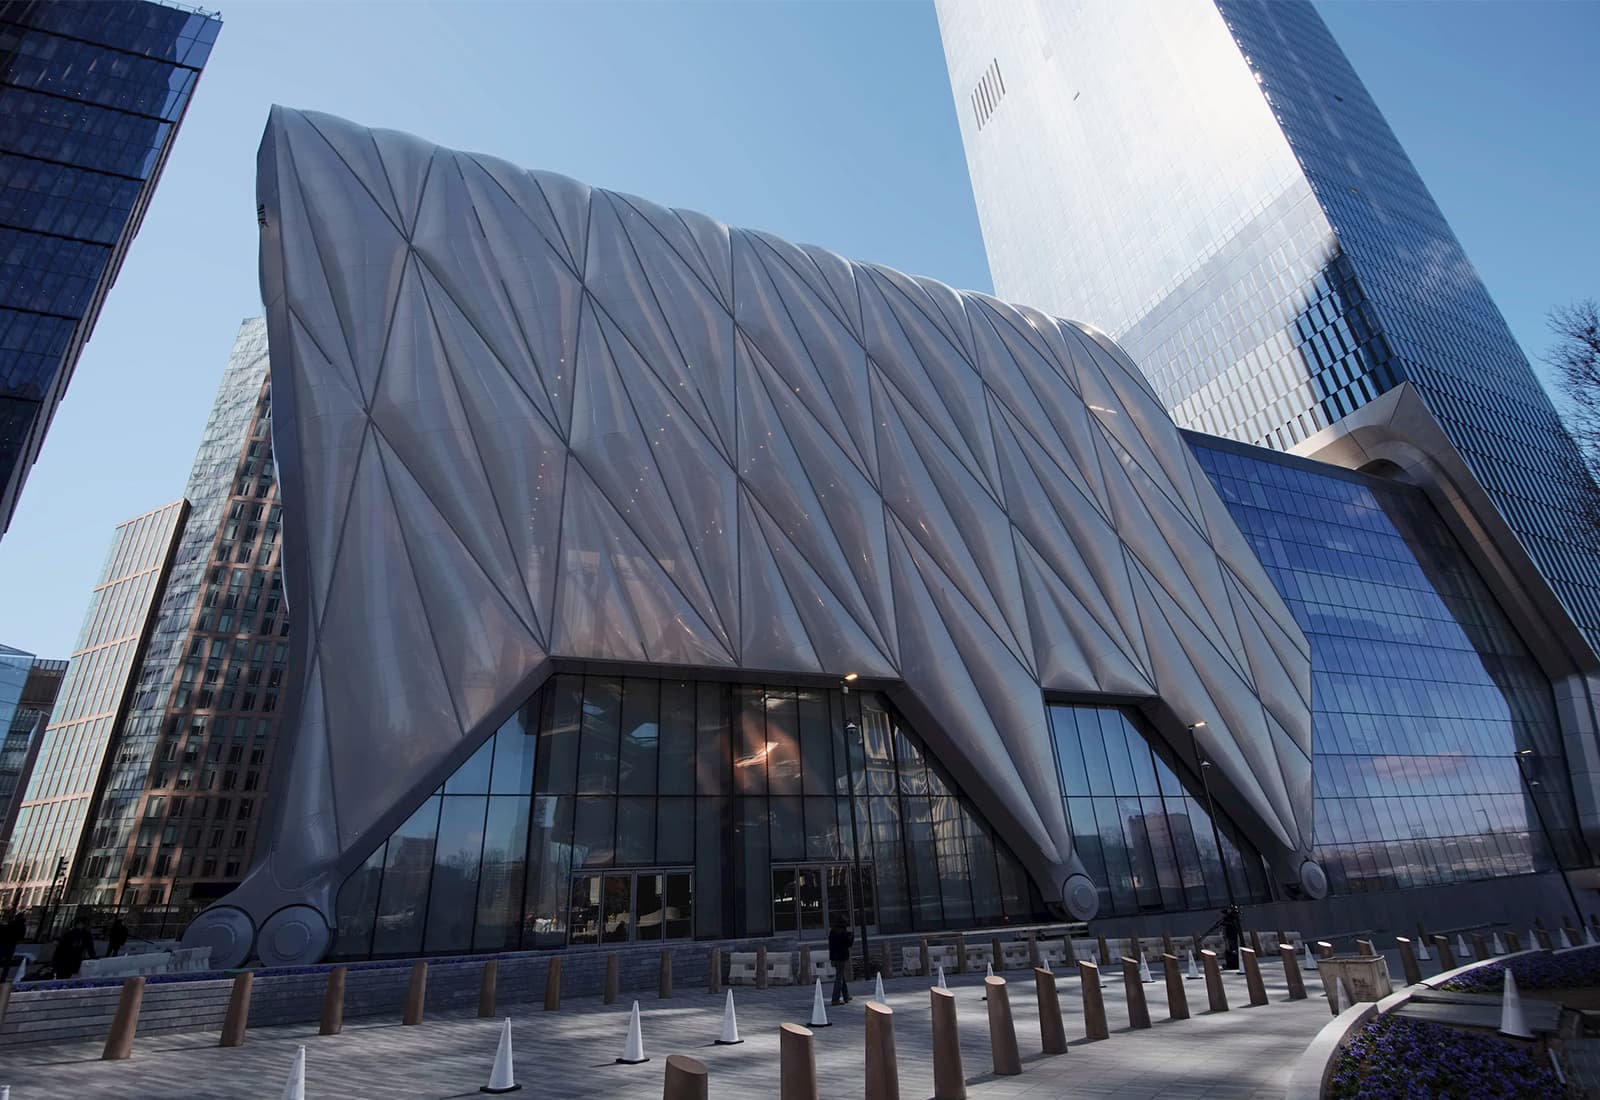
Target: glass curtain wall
(1146, 841)
(1422, 693)
(617, 809)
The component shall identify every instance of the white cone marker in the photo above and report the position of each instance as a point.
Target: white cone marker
(1423, 955)
(633, 1047)
(941, 977)
(1462, 953)
(1566, 940)
(294, 1088)
(1194, 969)
(877, 989)
(1512, 1021)
(1497, 946)
(501, 1077)
(988, 972)
(1311, 962)
(819, 1011)
(1588, 936)
(1144, 970)
(730, 1022)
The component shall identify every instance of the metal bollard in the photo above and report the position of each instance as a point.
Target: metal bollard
(1480, 947)
(1291, 972)
(1215, 994)
(552, 985)
(333, 1003)
(1105, 951)
(1094, 1002)
(664, 981)
(1133, 984)
(1002, 1029)
(238, 1017)
(416, 995)
(1177, 996)
(761, 967)
(949, 1081)
(996, 955)
(686, 1079)
(1364, 949)
(714, 971)
(1052, 1029)
(1447, 958)
(924, 960)
(1408, 960)
(883, 1074)
(797, 1063)
(1324, 949)
(613, 984)
(488, 986)
(961, 953)
(119, 1042)
(1252, 976)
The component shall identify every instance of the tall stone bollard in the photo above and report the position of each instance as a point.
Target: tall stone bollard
(237, 1019)
(1105, 951)
(552, 985)
(1480, 947)
(1324, 949)
(664, 980)
(714, 971)
(1052, 1029)
(1215, 994)
(1408, 960)
(1252, 976)
(1447, 958)
(1094, 1002)
(883, 1073)
(949, 1080)
(333, 1002)
(613, 985)
(1002, 1029)
(1364, 949)
(1177, 998)
(1291, 972)
(997, 956)
(687, 1079)
(797, 1063)
(119, 1041)
(961, 953)
(416, 995)
(761, 967)
(1133, 985)
(487, 988)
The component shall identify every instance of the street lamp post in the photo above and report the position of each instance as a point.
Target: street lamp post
(1525, 757)
(1211, 808)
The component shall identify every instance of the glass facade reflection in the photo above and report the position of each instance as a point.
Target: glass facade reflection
(1422, 692)
(1210, 182)
(91, 95)
(1147, 842)
(28, 688)
(618, 809)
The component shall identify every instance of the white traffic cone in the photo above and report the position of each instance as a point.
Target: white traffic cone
(877, 989)
(293, 1089)
(730, 1022)
(501, 1077)
(941, 977)
(1497, 946)
(1588, 936)
(1144, 970)
(988, 972)
(1462, 954)
(633, 1047)
(1565, 941)
(1423, 954)
(1194, 969)
(819, 1011)
(1512, 1022)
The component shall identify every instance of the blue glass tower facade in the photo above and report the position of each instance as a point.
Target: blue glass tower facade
(91, 97)
(1211, 183)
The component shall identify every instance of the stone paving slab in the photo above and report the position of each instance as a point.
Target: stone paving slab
(1244, 1054)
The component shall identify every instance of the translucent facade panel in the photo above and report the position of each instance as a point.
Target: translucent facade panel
(1422, 692)
(498, 860)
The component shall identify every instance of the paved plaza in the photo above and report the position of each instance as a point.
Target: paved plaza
(1241, 1054)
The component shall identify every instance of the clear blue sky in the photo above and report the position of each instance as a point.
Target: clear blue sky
(826, 123)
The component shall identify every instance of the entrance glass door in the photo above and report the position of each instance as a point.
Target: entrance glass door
(626, 906)
(806, 897)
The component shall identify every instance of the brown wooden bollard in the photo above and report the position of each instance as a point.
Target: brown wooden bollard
(1364, 949)
(1105, 951)
(1215, 994)
(416, 994)
(238, 1016)
(1135, 947)
(1068, 954)
(1480, 947)
(119, 1041)
(487, 987)
(1002, 1029)
(797, 1063)
(1447, 958)
(714, 971)
(1252, 976)
(1166, 944)
(1408, 960)
(997, 956)
(687, 1079)
(1255, 942)
(961, 954)
(949, 1080)
(333, 1003)
(1034, 959)
(1291, 971)
(613, 984)
(1094, 1002)
(664, 982)
(883, 1073)
(761, 967)
(1324, 949)
(1177, 997)
(1513, 943)
(1283, 937)
(886, 955)
(805, 976)
(1133, 985)
(924, 958)
(1052, 1029)
(1544, 938)
(552, 985)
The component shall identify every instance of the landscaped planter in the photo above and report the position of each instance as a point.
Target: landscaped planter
(1397, 1058)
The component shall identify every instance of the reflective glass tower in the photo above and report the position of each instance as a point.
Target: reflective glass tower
(1210, 182)
(91, 96)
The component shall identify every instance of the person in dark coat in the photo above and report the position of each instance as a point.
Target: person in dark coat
(116, 937)
(840, 940)
(75, 945)
(1232, 931)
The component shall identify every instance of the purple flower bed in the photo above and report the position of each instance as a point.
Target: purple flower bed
(1397, 1058)
(1568, 970)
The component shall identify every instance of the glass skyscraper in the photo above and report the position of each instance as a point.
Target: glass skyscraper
(91, 96)
(1209, 181)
